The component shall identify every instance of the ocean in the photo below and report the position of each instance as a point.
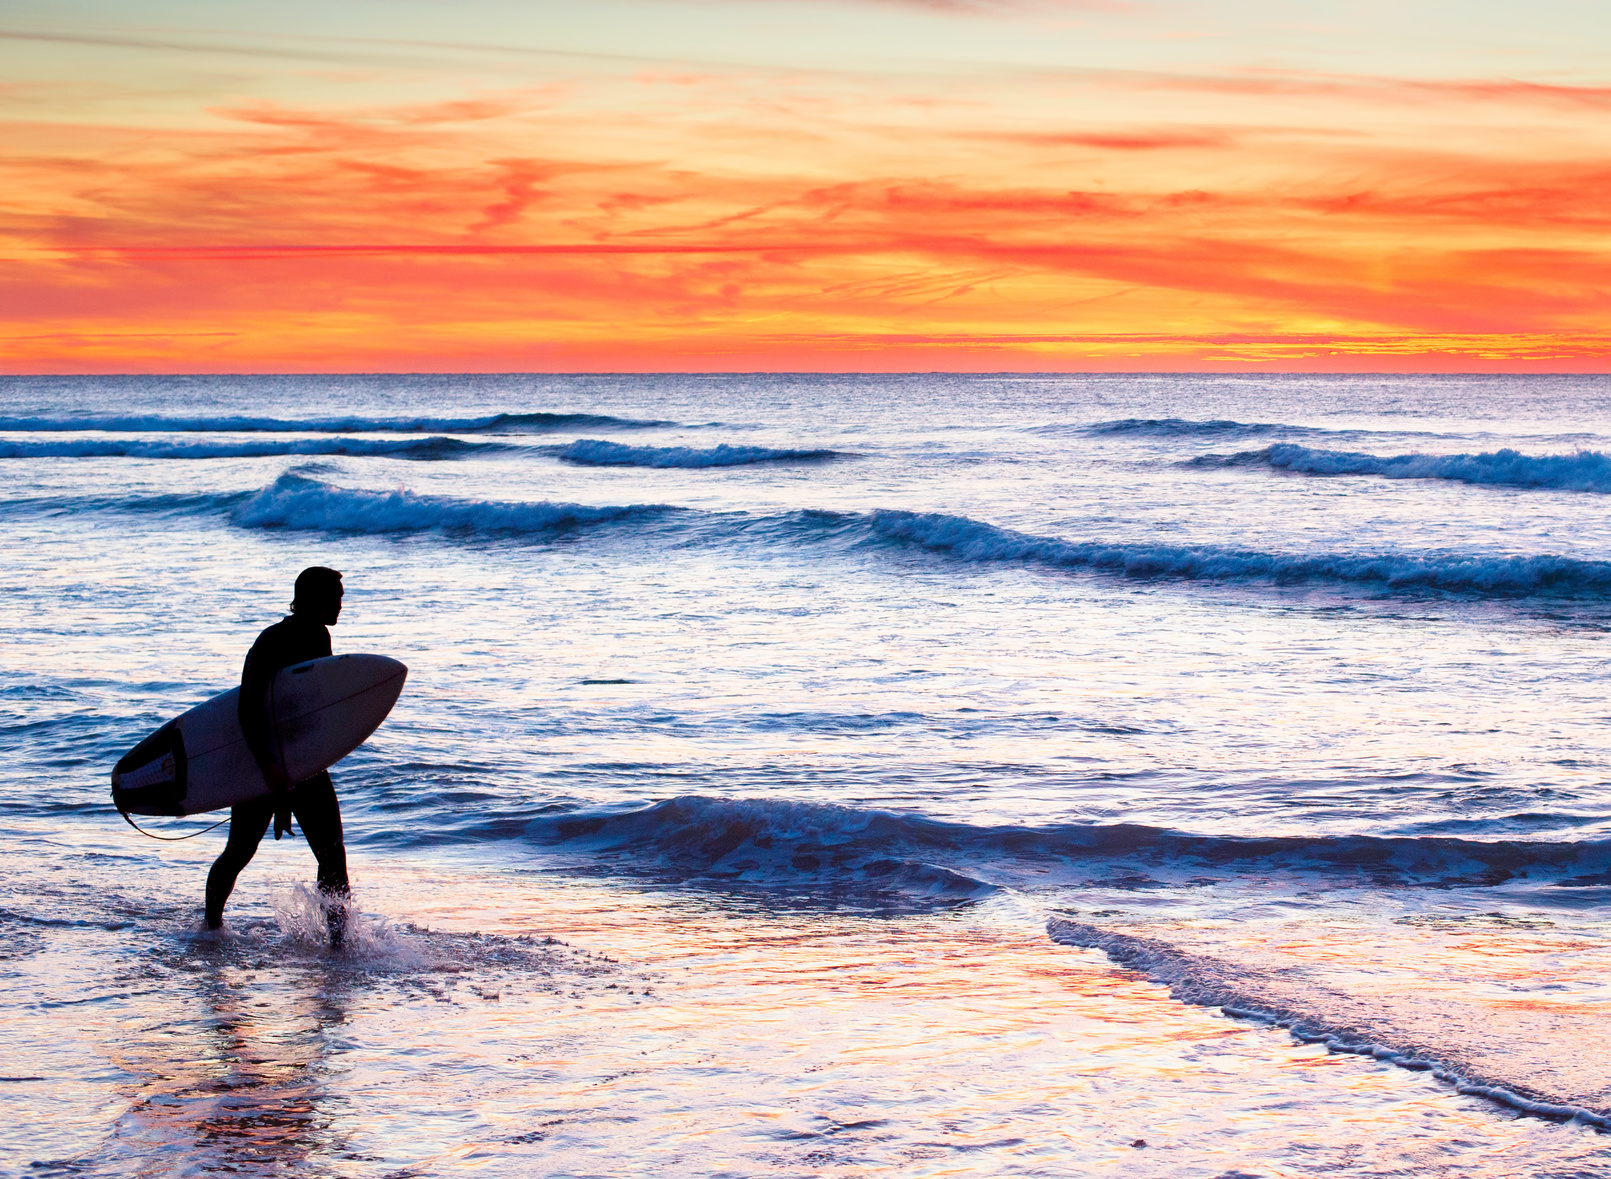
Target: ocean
(1131, 775)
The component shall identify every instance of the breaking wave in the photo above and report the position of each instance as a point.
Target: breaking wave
(1496, 576)
(764, 842)
(419, 449)
(597, 453)
(773, 841)
(1585, 470)
(498, 423)
(296, 502)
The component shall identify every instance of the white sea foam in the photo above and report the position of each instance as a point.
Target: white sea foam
(296, 502)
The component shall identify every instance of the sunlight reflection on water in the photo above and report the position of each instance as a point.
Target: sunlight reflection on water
(688, 1033)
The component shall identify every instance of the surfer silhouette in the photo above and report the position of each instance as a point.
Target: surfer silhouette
(300, 636)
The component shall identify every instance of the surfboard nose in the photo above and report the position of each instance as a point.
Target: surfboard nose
(325, 709)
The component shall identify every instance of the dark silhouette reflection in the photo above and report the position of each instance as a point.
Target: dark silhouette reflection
(232, 1080)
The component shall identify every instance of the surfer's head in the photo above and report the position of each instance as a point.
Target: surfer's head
(318, 595)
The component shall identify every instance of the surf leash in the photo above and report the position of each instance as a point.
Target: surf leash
(169, 838)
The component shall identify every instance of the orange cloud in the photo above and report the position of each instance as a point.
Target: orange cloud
(537, 229)
(1133, 140)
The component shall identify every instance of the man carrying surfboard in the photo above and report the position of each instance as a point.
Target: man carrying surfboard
(300, 636)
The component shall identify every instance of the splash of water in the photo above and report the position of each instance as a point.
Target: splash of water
(303, 915)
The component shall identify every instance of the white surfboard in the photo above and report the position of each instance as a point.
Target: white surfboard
(320, 711)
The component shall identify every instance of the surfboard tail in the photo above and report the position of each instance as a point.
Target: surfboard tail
(153, 778)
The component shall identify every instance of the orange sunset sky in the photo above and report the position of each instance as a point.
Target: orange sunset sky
(630, 185)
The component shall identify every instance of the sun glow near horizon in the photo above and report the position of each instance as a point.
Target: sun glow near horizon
(803, 185)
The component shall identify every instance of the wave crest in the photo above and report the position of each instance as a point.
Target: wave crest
(777, 841)
(1497, 576)
(765, 842)
(1584, 470)
(296, 502)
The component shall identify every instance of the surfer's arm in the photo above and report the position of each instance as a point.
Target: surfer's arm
(255, 725)
(253, 711)
(280, 646)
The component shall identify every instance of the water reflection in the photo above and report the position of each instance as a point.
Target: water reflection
(236, 1071)
(687, 1031)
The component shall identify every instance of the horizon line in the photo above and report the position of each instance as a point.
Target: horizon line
(779, 372)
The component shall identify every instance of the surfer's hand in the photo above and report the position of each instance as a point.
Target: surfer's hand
(276, 779)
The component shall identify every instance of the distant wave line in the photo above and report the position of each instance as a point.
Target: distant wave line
(1496, 575)
(510, 423)
(1584, 470)
(1185, 427)
(427, 449)
(597, 453)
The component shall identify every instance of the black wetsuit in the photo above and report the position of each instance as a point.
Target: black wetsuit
(295, 639)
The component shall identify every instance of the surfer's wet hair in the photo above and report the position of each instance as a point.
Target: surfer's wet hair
(315, 584)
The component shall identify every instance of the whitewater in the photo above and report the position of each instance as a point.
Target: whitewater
(1142, 775)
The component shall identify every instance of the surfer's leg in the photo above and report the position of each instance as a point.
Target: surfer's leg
(319, 815)
(247, 823)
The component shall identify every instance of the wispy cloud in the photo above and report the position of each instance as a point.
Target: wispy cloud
(1273, 83)
(1132, 139)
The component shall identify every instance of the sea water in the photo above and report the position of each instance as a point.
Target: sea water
(828, 775)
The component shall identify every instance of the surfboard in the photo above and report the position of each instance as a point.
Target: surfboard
(320, 711)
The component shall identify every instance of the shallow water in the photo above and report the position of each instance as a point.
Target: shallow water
(792, 709)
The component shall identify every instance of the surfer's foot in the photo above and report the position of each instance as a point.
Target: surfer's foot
(335, 919)
(212, 922)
